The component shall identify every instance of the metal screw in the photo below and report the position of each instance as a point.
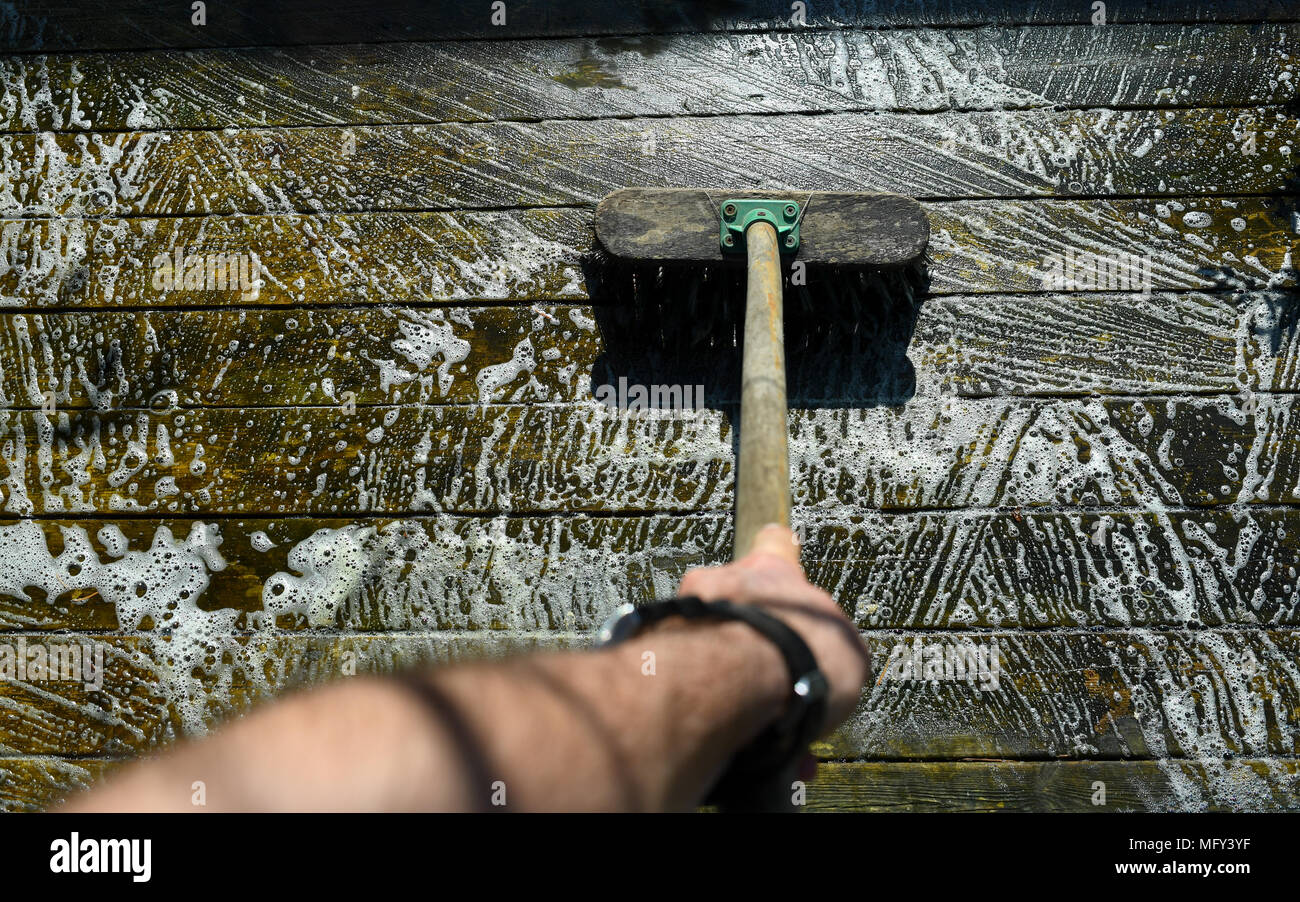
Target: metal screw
(789, 241)
(728, 240)
(791, 211)
(729, 211)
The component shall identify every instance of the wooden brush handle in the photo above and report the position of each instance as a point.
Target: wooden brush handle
(763, 478)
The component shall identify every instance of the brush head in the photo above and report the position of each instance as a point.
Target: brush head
(660, 265)
(838, 229)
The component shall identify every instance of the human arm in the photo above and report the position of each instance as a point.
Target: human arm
(589, 730)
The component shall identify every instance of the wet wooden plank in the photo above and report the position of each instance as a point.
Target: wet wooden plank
(427, 573)
(968, 569)
(1022, 153)
(691, 74)
(965, 345)
(545, 254)
(1127, 694)
(330, 460)
(956, 570)
(1220, 242)
(31, 784)
(1138, 693)
(968, 346)
(50, 25)
(321, 356)
(977, 246)
(1103, 343)
(928, 453)
(300, 260)
(1269, 784)
(162, 685)
(36, 783)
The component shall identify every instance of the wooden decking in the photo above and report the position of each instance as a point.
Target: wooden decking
(385, 449)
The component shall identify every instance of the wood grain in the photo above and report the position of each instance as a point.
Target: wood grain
(1043, 570)
(966, 345)
(151, 695)
(545, 254)
(1118, 66)
(1057, 786)
(36, 783)
(1016, 153)
(1126, 694)
(31, 784)
(1097, 479)
(956, 570)
(1211, 242)
(47, 25)
(939, 453)
(1203, 694)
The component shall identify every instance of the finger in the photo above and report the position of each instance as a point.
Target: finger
(776, 539)
(709, 583)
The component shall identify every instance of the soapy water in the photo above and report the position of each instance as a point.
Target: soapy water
(424, 573)
(409, 573)
(438, 576)
(154, 591)
(432, 575)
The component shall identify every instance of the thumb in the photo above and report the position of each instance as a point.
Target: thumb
(778, 540)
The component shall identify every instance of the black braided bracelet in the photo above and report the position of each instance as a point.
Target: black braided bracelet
(772, 753)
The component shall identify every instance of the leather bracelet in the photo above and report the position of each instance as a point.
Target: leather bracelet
(776, 748)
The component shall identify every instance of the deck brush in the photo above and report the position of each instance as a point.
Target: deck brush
(708, 271)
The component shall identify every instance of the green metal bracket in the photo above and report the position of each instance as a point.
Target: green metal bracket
(739, 215)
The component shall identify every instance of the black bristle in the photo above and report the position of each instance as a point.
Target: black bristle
(849, 327)
(695, 301)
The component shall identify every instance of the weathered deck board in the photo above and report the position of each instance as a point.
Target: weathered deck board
(929, 453)
(1041, 570)
(1103, 343)
(151, 692)
(323, 356)
(1019, 153)
(539, 254)
(1220, 242)
(443, 573)
(808, 71)
(958, 570)
(1138, 693)
(965, 345)
(130, 24)
(1055, 786)
(31, 784)
(1091, 537)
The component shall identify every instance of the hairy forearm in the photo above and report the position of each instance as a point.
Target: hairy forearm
(645, 725)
